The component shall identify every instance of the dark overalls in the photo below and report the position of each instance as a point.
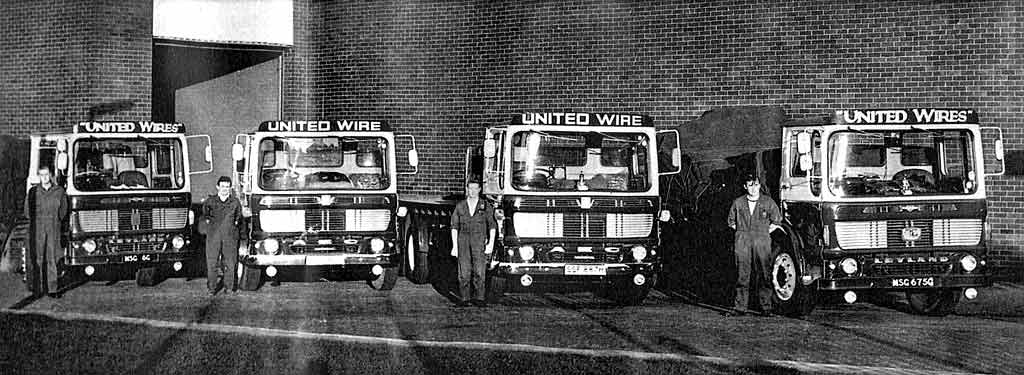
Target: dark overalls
(474, 231)
(46, 209)
(222, 239)
(753, 247)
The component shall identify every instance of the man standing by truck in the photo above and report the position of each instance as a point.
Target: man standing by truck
(754, 217)
(473, 231)
(224, 214)
(45, 206)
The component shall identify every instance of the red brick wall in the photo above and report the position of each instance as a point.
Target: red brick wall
(58, 58)
(443, 71)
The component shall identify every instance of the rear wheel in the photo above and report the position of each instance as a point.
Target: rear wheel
(790, 296)
(933, 302)
(416, 247)
(145, 276)
(248, 277)
(385, 281)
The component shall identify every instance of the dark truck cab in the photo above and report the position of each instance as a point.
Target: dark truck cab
(129, 196)
(576, 201)
(875, 201)
(322, 200)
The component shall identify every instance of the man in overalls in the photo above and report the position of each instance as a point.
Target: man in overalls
(46, 207)
(754, 217)
(473, 231)
(224, 213)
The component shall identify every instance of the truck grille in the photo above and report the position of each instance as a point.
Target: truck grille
(910, 269)
(583, 257)
(582, 225)
(889, 233)
(325, 219)
(125, 219)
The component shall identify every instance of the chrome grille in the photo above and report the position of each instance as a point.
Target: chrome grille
(881, 234)
(582, 225)
(131, 247)
(583, 257)
(124, 219)
(356, 220)
(325, 219)
(957, 232)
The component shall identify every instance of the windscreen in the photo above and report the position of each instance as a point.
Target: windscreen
(580, 161)
(128, 164)
(323, 163)
(895, 163)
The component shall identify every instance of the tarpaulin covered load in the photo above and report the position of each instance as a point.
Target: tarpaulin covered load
(730, 131)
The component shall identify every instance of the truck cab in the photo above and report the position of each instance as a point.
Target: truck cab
(322, 200)
(128, 187)
(885, 200)
(576, 200)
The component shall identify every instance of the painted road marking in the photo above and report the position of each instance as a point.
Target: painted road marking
(337, 337)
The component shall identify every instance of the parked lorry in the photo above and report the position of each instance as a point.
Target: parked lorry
(576, 201)
(128, 185)
(874, 201)
(322, 200)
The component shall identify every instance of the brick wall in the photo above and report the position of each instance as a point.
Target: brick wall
(444, 70)
(59, 58)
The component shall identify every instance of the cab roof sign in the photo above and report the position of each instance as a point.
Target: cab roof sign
(129, 127)
(906, 116)
(323, 126)
(582, 119)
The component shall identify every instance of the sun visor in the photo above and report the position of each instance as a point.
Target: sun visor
(261, 22)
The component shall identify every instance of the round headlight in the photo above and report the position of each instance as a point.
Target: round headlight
(969, 262)
(849, 266)
(271, 246)
(526, 253)
(402, 211)
(376, 245)
(89, 246)
(178, 242)
(639, 253)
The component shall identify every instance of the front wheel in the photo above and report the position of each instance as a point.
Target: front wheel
(385, 281)
(248, 277)
(790, 296)
(933, 302)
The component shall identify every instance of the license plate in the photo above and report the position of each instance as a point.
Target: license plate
(586, 269)
(913, 282)
(137, 258)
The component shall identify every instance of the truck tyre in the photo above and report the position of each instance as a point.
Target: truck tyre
(790, 296)
(496, 287)
(145, 276)
(248, 277)
(415, 257)
(385, 281)
(933, 302)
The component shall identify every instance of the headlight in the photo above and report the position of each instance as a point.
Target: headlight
(271, 246)
(639, 253)
(376, 245)
(177, 242)
(89, 246)
(969, 262)
(665, 216)
(402, 211)
(849, 266)
(526, 253)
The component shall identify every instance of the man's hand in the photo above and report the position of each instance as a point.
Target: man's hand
(455, 250)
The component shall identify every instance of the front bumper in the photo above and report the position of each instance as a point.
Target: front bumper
(556, 274)
(132, 259)
(905, 282)
(339, 260)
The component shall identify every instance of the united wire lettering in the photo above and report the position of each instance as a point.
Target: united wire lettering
(901, 116)
(573, 118)
(321, 126)
(130, 127)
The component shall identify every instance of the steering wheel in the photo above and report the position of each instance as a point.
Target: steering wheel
(269, 176)
(539, 177)
(915, 174)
